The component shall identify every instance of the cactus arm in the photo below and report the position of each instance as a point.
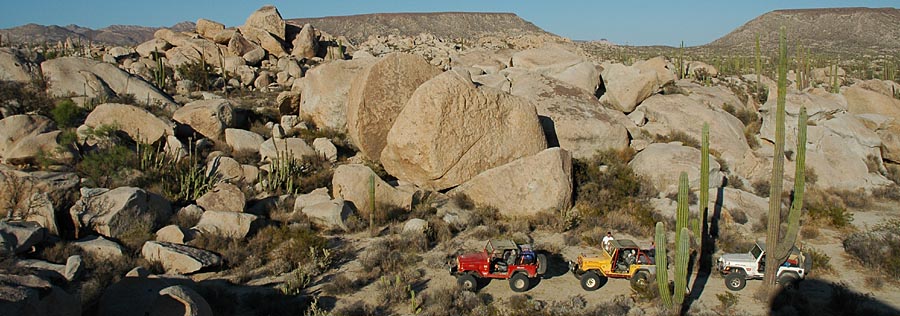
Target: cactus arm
(784, 247)
(662, 272)
(682, 251)
(681, 220)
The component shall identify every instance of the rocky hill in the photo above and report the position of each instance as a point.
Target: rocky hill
(452, 25)
(833, 30)
(113, 34)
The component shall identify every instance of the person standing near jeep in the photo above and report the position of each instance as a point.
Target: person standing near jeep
(606, 240)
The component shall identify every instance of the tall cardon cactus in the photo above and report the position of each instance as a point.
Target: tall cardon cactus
(681, 217)
(682, 252)
(704, 185)
(662, 274)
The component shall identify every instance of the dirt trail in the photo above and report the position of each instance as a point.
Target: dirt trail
(560, 285)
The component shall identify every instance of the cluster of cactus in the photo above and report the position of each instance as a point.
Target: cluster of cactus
(889, 71)
(803, 69)
(679, 63)
(777, 247)
(682, 250)
(283, 173)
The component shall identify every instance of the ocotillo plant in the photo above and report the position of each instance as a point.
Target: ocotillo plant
(682, 251)
(775, 186)
(782, 249)
(662, 272)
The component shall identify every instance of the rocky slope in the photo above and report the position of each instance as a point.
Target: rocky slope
(833, 30)
(448, 25)
(125, 35)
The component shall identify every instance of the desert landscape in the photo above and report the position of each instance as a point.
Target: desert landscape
(398, 163)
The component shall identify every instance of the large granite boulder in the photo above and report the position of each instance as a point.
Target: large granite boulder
(69, 76)
(123, 210)
(305, 44)
(628, 86)
(20, 237)
(378, 94)
(351, 183)
(209, 118)
(322, 210)
(243, 140)
(14, 66)
(224, 197)
(662, 165)
(571, 118)
(138, 123)
(324, 92)
(275, 148)
(179, 259)
(451, 130)
(560, 63)
(524, 186)
(29, 295)
(267, 18)
(225, 224)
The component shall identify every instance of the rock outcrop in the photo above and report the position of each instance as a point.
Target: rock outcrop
(451, 130)
(378, 94)
(524, 186)
(115, 212)
(179, 259)
(139, 124)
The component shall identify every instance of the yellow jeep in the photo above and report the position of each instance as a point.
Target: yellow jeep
(623, 260)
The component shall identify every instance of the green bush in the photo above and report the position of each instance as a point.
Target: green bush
(66, 114)
(22, 98)
(199, 72)
(606, 185)
(106, 167)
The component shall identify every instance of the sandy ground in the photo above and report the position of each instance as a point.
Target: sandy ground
(560, 285)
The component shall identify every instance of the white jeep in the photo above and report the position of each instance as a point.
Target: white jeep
(738, 267)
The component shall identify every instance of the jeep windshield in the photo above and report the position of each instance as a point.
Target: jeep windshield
(756, 251)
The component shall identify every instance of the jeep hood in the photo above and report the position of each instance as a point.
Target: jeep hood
(738, 257)
(475, 257)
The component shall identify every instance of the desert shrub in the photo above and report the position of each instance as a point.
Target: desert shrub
(750, 132)
(22, 98)
(607, 188)
(357, 308)
(893, 173)
(873, 163)
(735, 181)
(874, 282)
(811, 176)
(853, 199)
(887, 193)
(761, 188)
(452, 302)
(234, 251)
(678, 136)
(340, 285)
(107, 166)
(821, 262)
(199, 72)
(878, 248)
(391, 255)
(809, 232)
(730, 240)
(763, 95)
(67, 114)
(463, 201)
(762, 222)
(739, 216)
(829, 207)
(246, 157)
(99, 274)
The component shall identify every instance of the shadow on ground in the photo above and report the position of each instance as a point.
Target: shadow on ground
(822, 298)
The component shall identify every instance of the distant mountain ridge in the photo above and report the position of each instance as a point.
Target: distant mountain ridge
(125, 35)
(828, 31)
(448, 25)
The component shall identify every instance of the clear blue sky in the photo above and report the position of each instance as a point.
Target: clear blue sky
(646, 22)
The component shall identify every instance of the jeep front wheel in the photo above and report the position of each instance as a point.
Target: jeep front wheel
(640, 280)
(467, 282)
(591, 281)
(735, 281)
(519, 282)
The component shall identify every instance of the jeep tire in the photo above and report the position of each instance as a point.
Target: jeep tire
(467, 282)
(591, 281)
(519, 282)
(788, 280)
(542, 264)
(735, 281)
(640, 280)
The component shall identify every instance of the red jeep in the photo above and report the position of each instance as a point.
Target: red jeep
(500, 259)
